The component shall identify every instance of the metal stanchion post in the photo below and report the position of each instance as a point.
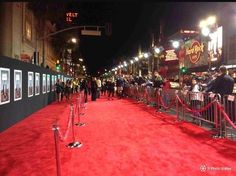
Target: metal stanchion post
(74, 144)
(177, 109)
(55, 128)
(79, 123)
(217, 124)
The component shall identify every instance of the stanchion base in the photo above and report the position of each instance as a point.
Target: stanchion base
(80, 124)
(74, 145)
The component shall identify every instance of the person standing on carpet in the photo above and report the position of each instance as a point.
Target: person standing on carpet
(99, 85)
(68, 90)
(84, 87)
(111, 89)
(94, 87)
(58, 90)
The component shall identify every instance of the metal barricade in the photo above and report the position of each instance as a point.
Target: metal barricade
(229, 104)
(201, 106)
(205, 109)
(151, 96)
(165, 99)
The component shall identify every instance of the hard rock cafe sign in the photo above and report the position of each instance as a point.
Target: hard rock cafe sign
(194, 51)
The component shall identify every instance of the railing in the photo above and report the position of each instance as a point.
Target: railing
(205, 109)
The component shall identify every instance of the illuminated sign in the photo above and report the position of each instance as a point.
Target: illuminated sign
(171, 55)
(70, 16)
(194, 52)
(188, 32)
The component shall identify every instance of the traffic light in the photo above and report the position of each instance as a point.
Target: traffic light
(183, 70)
(58, 67)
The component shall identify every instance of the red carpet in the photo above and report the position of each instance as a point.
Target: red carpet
(120, 138)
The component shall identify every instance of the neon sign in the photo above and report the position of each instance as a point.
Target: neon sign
(194, 52)
(70, 16)
(171, 55)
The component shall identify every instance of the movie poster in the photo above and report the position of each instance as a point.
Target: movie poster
(44, 84)
(55, 78)
(53, 87)
(37, 83)
(17, 85)
(5, 85)
(48, 83)
(30, 84)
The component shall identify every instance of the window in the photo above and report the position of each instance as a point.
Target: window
(28, 30)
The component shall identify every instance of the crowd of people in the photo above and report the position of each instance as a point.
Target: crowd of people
(217, 82)
(66, 89)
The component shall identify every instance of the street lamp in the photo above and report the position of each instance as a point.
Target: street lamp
(175, 44)
(205, 31)
(211, 20)
(157, 50)
(207, 24)
(140, 56)
(74, 40)
(145, 55)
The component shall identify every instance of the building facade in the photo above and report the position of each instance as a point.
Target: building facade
(19, 34)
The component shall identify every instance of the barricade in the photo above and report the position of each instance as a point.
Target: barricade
(151, 96)
(229, 116)
(58, 136)
(199, 105)
(141, 93)
(208, 109)
(165, 99)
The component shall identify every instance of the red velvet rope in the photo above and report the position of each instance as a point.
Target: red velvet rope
(162, 102)
(69, 120)
(225, 115)
(194, 110)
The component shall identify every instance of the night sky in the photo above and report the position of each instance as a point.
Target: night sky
(132, 25)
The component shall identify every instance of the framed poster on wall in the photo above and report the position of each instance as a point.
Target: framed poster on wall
(17, 85)
(37, 83)
(4, 85)
(30, 84)
(53, 83)
(48, 83)
(44, 84)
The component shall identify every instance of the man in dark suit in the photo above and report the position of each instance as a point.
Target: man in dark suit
(223, 84)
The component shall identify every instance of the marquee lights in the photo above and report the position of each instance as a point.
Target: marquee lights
(70, 16)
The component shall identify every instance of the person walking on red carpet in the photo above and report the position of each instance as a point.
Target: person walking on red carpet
(58, 90)
(94, 87)
(111, 89)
